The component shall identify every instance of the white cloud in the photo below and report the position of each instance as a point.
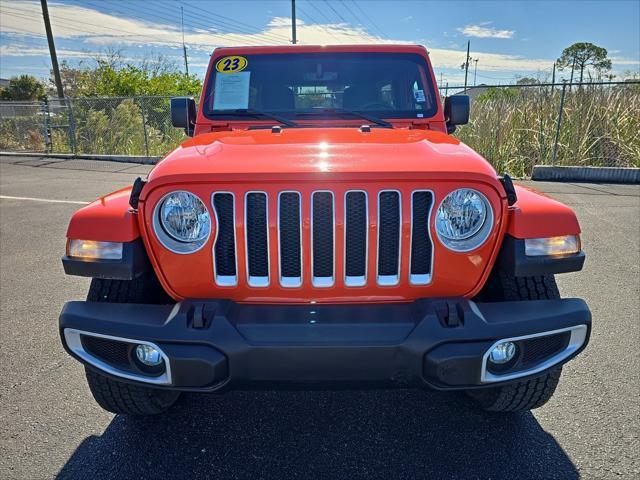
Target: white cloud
(22, 20)
(18, 50)
(484, 31)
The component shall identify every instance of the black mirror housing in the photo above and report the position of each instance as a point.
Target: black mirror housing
(183, 114)
(456, 111)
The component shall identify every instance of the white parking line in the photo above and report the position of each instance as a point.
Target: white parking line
(46, 200)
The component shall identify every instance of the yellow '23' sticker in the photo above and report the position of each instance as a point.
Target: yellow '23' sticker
(231, 64)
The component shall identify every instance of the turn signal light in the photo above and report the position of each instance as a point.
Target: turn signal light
(564, 245)
(91, 249)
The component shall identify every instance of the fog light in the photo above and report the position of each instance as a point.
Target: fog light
(148, 355)
(502, 353)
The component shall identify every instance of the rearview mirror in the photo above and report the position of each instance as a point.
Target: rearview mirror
(456, 111)
(183, 114)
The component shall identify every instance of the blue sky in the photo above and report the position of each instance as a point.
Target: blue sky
(510, 39)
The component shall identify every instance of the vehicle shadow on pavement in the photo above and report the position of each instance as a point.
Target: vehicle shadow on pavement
(339, 434)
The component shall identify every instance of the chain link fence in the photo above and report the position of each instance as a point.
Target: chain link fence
(514, 127)
(119, 126)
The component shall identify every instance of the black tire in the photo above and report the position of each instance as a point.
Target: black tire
(519, 396)
(144, 289)
(113, 395)
(534, 392)
(502, 287)
(128, 399)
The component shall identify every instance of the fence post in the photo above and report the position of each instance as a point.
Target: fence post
(555, 143)
(72, 125)
(44, 109)
(144, 126)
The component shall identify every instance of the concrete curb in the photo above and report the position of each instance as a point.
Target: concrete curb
(109, 158)
(586, 174)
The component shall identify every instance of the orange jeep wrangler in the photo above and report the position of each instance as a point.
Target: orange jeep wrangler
(322, 228)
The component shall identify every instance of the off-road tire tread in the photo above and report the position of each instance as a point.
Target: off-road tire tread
(128, 399)
(519, 396)
(542, 287)
(144, 289)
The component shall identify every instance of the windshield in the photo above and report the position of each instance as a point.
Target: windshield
(307, 85)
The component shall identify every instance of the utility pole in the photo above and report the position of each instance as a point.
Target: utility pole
(294, 40)
(466, 65)
(52, 49)
(553, 75)
(184, 48)
(475, 71)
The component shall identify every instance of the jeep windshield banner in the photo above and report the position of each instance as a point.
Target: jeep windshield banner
(300, 86)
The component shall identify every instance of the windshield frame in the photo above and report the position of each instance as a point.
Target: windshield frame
(293, 115)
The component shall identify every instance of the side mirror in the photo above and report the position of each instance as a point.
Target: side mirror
(456, 111)
(183, 114)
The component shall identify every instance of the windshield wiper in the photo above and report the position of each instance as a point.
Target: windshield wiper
(370, 118)
(258, 113)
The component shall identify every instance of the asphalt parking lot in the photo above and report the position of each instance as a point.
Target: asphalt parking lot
(50, 426)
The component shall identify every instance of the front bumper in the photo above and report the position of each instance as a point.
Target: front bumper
(208, 345)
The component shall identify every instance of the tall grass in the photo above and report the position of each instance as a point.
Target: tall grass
(515, 129)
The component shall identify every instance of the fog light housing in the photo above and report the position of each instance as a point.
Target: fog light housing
(94, 250)
(503, 353)
(564, 245)
(148, 355)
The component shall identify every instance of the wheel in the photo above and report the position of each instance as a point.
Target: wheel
(113, 395)
(534, 392)
(128, 399)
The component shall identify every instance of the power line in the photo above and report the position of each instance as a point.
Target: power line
(325, 16)
(336, 12)
(375, 25)
(347, 8)
(71, 23)
(196, 23)
(316, 23)
(235, 23)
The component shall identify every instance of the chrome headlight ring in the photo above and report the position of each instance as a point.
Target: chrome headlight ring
(464, 220)
(181, 222)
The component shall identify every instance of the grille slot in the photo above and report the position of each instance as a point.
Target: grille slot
(257, 239)
(389, 232)
(322, 239)
(356, 219)
(225, 270)
(290, 238)
(355, 247)
(421, 246)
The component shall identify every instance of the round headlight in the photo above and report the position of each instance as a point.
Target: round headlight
(184, 222)
(464, 220)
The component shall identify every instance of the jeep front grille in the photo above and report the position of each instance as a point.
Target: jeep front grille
(354, 206)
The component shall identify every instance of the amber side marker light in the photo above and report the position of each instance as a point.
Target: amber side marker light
(94, 250)
(564, 245)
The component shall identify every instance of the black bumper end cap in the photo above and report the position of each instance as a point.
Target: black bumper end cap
(134, 263)
(513, 260)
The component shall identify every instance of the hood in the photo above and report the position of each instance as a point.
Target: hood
(322, 154)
